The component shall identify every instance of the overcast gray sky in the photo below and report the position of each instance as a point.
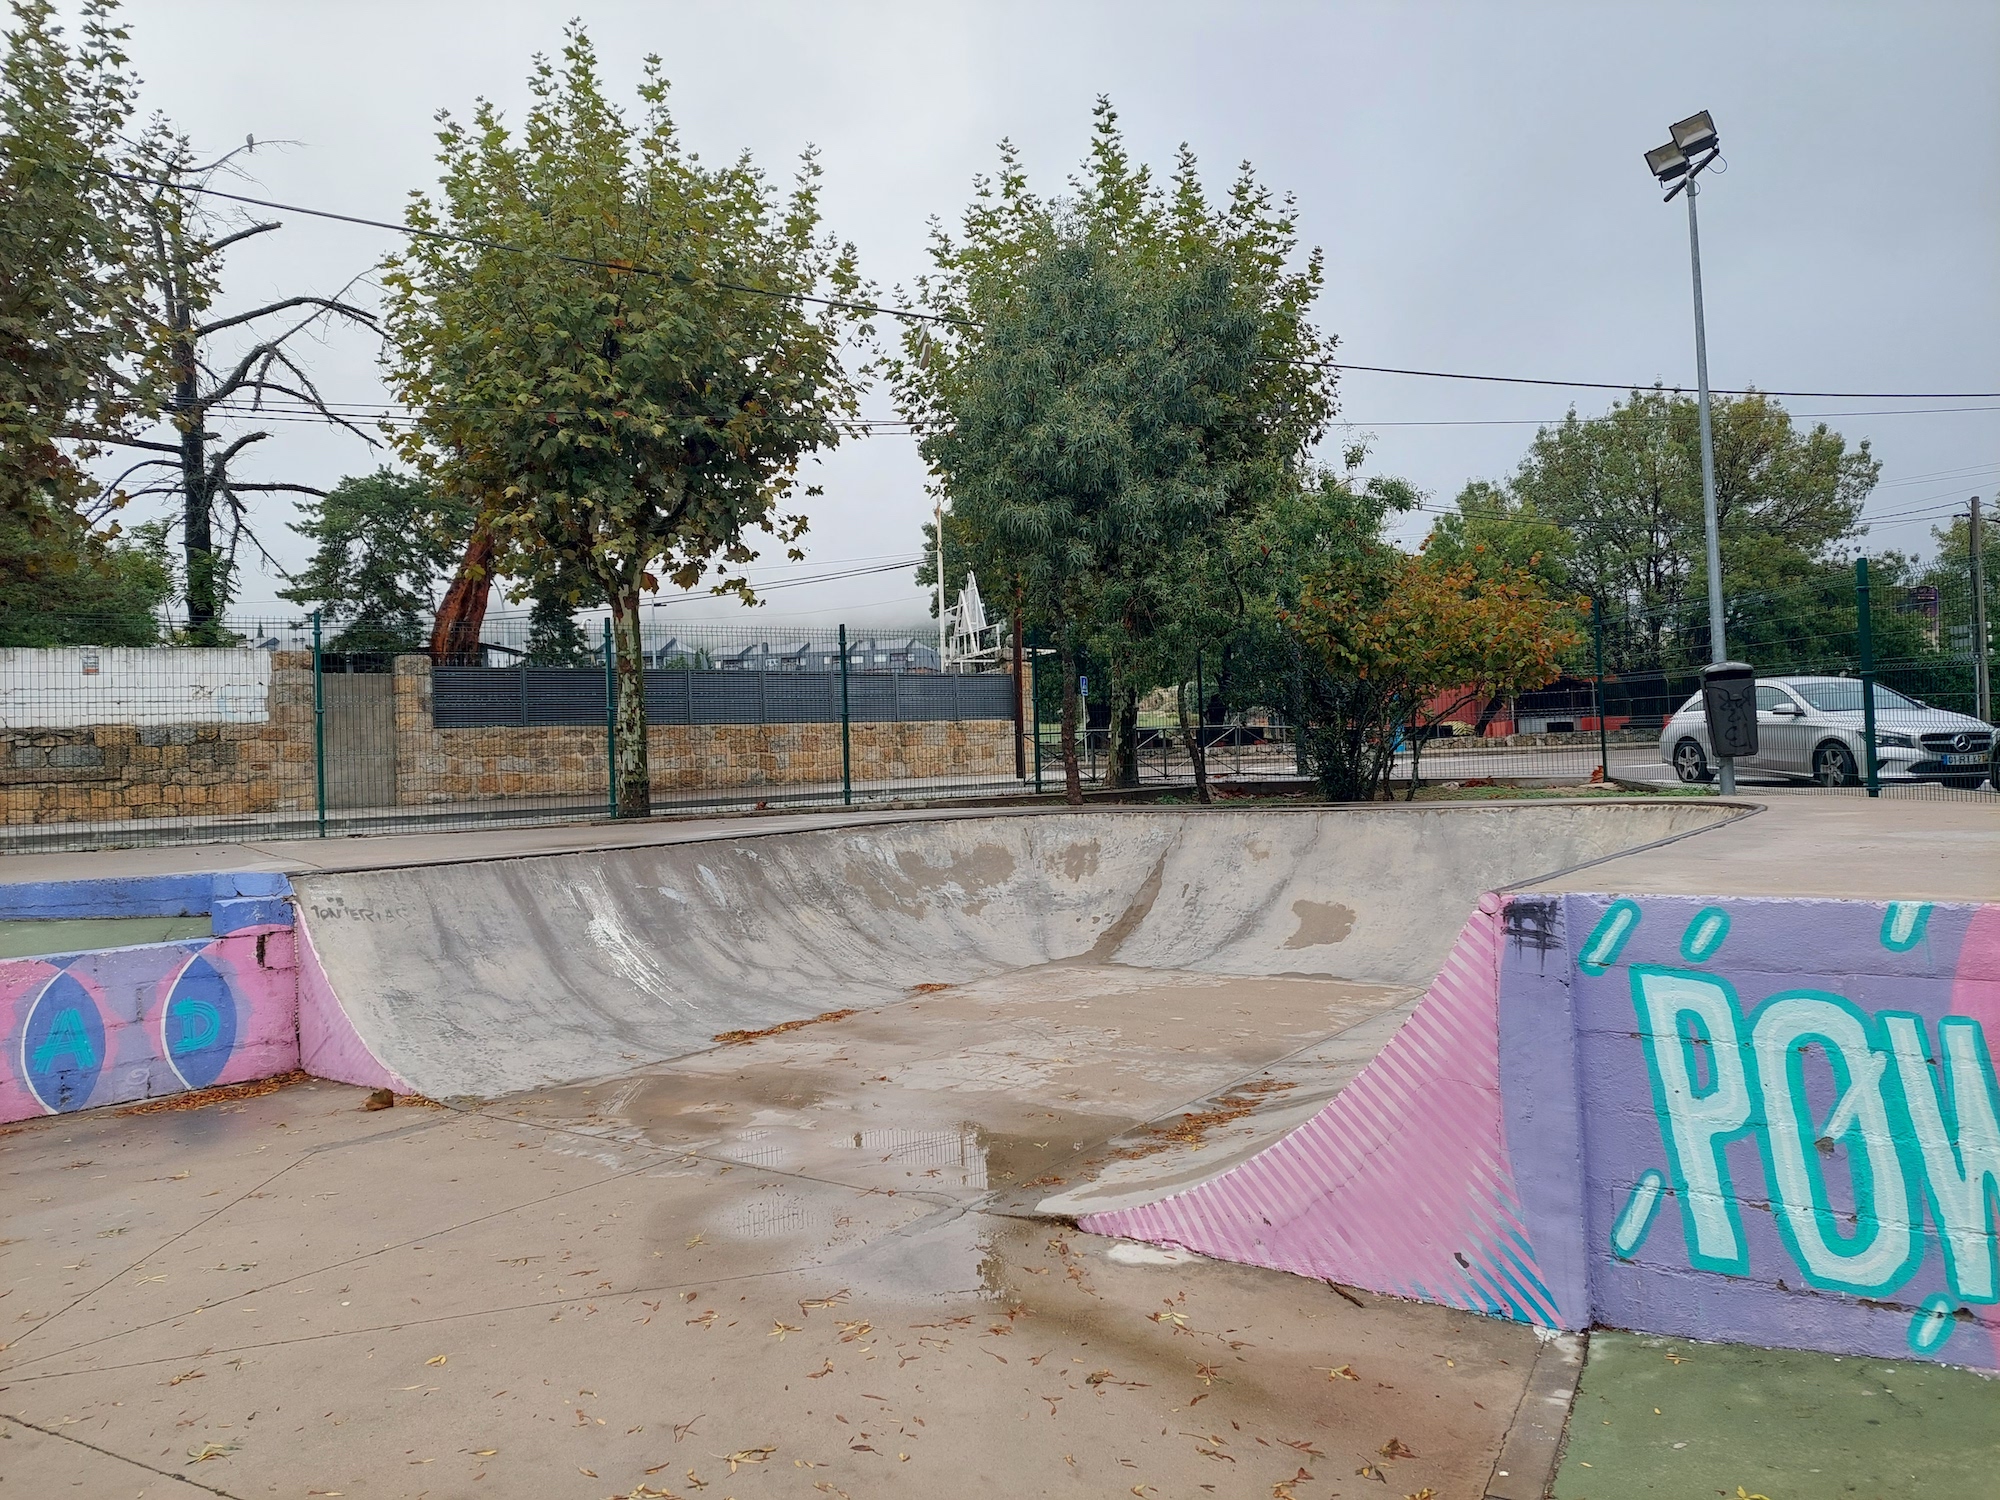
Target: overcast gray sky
(1473, 172)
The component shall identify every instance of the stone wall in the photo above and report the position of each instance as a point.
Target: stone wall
(112, 772)
(455, 765)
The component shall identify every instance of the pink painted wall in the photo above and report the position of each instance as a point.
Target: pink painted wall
(1748, 1120)
(329, 1047)
(125, 1024)
(1365, 1194)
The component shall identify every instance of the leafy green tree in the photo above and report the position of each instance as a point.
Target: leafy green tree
(554, 637)
(1495, 533)
(74, 330)
(61, 584)
(630, 385)
(1625, 488)
(383, 543)
(1077, 449)
(1252, 438)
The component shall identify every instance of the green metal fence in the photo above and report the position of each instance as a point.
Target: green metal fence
(286, 734)
(1873, 684)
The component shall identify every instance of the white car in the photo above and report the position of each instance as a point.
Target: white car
(1811, 728)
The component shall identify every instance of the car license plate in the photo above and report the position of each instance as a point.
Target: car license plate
(1962, 760)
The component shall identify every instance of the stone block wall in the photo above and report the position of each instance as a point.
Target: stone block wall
(456, 765)
(113, 772)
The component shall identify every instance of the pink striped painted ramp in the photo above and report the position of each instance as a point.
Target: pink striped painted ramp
(1402, 1184)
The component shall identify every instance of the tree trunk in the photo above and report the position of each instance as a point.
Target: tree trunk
(1072, 774)
(197, 500)
(1125, 734)
(634, 774)
(455, 636)
(198, 537)
(1191, 737)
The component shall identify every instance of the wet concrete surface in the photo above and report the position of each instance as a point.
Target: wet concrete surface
(808, 1265)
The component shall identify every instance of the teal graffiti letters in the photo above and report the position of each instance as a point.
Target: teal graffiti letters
(1885, 1246)
(1955, 1119)
(1698, 1121)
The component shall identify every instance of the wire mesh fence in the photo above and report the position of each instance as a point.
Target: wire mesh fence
(279, 734)
(1867, 685)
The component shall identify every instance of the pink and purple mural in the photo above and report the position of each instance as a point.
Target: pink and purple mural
(1766, 1121)
(116, 1025)
(122, 1024)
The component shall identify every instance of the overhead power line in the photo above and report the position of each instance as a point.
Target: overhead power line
(1641, 385)
(910, 314)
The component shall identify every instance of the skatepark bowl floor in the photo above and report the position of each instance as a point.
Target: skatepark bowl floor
(830, 1256)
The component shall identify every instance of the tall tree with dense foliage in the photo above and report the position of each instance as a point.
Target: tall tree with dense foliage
(1077, 446)
(74, 333)
(620, 354)
(1626, 490)
(1253, 438)
(382, 546)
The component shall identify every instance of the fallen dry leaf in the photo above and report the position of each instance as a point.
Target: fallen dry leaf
(437, 1359)
(1340, 1372)
(186, 1375)
(1395, 1448)
(779, 1330)
(747, 1456)
(212, 1450)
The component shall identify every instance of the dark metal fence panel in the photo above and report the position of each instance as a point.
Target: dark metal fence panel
(476, 697)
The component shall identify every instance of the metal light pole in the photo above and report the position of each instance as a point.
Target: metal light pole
(1693, 147)
(1982, 682)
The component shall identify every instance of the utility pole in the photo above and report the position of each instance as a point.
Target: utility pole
(1982, 682)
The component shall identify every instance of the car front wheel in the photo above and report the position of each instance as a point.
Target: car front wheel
(1833, 765)
(1690, 764)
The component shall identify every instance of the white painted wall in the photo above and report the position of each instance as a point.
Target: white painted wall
(68, 687)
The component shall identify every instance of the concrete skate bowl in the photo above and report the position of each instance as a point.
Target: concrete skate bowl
(489, 978)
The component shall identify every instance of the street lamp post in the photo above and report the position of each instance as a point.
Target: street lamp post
(1676, 165)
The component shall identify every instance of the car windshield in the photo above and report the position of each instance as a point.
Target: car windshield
(1843, 696)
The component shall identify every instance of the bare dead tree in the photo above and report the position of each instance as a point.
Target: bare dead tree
(182, 268)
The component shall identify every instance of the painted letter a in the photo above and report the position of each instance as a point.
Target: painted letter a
(1682, 1019)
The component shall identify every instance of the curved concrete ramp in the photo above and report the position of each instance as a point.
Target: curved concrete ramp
(483, 979)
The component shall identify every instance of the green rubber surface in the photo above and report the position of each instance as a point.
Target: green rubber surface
(33, 938)
(1665, 1417)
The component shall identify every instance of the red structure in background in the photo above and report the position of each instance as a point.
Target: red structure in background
(1567, 705)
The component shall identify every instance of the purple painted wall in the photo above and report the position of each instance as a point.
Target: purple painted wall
(1762, 1121)
(1769, 1121)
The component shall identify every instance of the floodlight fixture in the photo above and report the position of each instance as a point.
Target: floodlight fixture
(1696, 134)
(1693, 147)
(1667, 162)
